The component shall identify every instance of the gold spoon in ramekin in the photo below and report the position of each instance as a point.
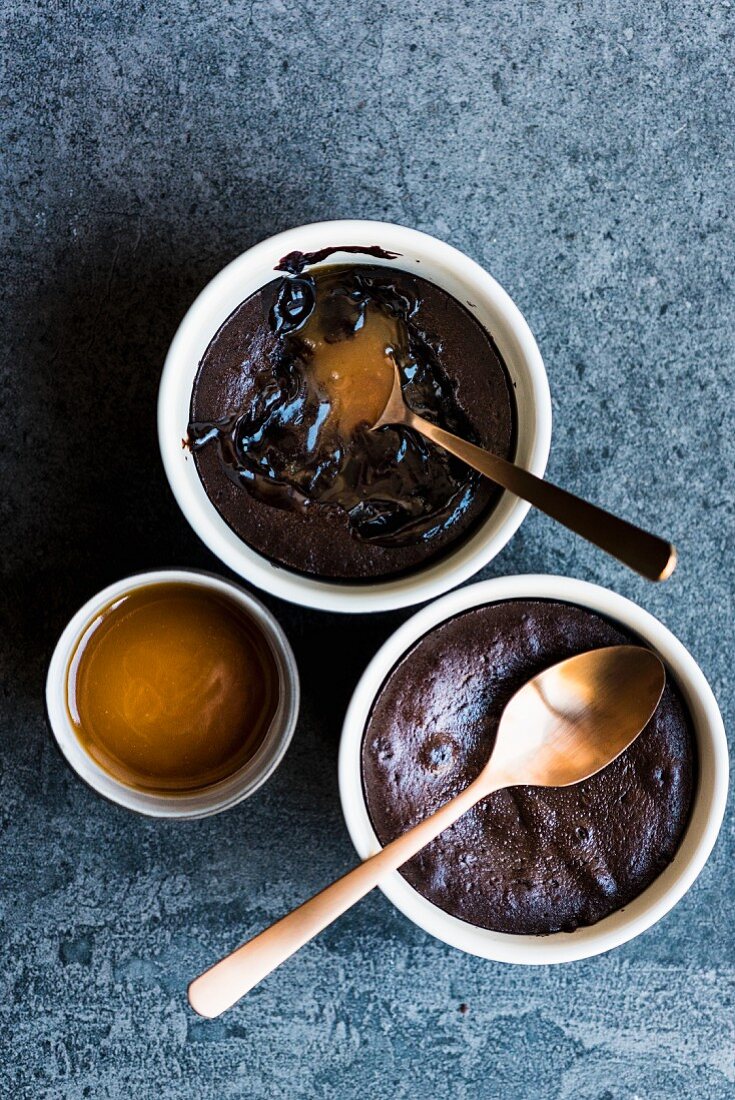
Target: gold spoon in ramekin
(563, 726)
(648, 554)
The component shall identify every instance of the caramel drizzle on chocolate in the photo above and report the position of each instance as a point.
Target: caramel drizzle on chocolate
(304, 441)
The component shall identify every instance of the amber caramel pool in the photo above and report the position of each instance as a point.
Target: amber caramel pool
(172, 688)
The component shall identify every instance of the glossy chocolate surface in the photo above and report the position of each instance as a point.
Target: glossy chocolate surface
(282, 405)
(525, 860)
(295, 262)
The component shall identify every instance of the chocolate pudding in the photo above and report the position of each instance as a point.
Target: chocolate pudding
(527, 860)
(286, 393)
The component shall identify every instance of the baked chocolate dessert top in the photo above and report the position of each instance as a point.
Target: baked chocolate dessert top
(282, 404)
(527, 860)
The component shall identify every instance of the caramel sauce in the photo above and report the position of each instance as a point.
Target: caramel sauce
(354, 373)
(172, 688)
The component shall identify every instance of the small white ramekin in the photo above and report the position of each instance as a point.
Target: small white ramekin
(423, 255)
(709, 799)
(220, 796)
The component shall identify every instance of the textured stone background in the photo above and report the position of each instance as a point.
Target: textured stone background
(583, 152)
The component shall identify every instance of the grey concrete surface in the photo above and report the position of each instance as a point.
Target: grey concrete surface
(582, 152)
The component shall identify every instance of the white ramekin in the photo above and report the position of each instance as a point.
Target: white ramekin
(419, 253)
(220, 796)
(709, 800)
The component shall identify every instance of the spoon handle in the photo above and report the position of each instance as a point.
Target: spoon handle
(648, 554)
(233, 976)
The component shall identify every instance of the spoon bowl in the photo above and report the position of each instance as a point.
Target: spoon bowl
(576, 717)
(561, 727)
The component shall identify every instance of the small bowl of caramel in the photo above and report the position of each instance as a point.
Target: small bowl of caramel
(174, 693)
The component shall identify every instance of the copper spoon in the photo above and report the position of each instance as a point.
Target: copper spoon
(561, 727)
(648, 554)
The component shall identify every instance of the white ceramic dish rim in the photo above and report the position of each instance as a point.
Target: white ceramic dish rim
(220, 796)
(701, 833)
(443, 264)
